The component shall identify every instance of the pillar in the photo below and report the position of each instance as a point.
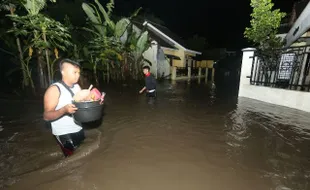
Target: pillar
(246, 66)
(206, 75)
(189, 71)
(174, 73)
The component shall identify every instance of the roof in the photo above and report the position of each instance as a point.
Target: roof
(169, 33)
(152, 35)
(167, 38)
(162, 35)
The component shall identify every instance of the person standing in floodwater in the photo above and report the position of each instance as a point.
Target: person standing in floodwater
(150, 83)
(58, 108)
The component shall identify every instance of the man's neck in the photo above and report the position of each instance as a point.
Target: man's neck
(68, 83)
(148, 74)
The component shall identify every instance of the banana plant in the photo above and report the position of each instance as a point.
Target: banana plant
(44, 33)
(123, 33)
(10, 6)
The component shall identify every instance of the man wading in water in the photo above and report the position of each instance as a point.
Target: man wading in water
(150, 83)
(58, 108)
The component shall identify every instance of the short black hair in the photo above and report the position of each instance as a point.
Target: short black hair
(68, 61)
(146, 67)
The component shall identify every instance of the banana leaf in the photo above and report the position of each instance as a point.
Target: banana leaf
(141, 45)
(121, 28)
(91, 15)
(106, 16)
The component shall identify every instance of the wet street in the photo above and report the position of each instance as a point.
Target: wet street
(193, 137)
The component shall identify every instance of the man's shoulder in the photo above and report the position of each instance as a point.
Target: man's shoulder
(151, 76)
(53, 88)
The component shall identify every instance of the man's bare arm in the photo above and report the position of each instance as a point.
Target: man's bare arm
(142, 90)
(51, 97)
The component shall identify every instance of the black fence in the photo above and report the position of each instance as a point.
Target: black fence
(286, 69)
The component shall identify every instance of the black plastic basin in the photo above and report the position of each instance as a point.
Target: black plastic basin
(88, 111)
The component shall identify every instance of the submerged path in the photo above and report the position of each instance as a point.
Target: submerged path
(192, 137)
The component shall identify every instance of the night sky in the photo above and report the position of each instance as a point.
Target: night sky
(221, 22)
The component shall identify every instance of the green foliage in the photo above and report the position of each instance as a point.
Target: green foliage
(112, 41)
(264, 25)
(112, 46)
(33, 27)
(121, 27)
(140, 45)
(7, 5)
(93, 15)
(33, 7)
(108, 22)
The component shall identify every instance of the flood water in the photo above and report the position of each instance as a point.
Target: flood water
(193, 137)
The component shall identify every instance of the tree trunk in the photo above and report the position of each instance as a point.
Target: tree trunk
(21, 58)
(49, 76)
(41, 70)
(25, 78)
(95, 74)
(125, 66)
(108, 73)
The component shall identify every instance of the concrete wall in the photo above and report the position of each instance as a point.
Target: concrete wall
(288, 98)
(163, 65)
(160, 65)
(178, 53)
(205, 63)
(151, 55)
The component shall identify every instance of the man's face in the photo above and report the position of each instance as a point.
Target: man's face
(71, 72)
(145, 71)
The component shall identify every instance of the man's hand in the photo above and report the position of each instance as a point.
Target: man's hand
(142, 90)
(70, 108)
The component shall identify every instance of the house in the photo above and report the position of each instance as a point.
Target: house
(166, 49)
(283, 77)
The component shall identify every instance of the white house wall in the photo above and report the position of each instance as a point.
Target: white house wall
(163, 65)
(151, 55)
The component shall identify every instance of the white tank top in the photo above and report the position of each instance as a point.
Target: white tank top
(66, 123)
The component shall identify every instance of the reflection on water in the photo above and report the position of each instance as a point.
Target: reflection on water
(271, 140)
(193, 136)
